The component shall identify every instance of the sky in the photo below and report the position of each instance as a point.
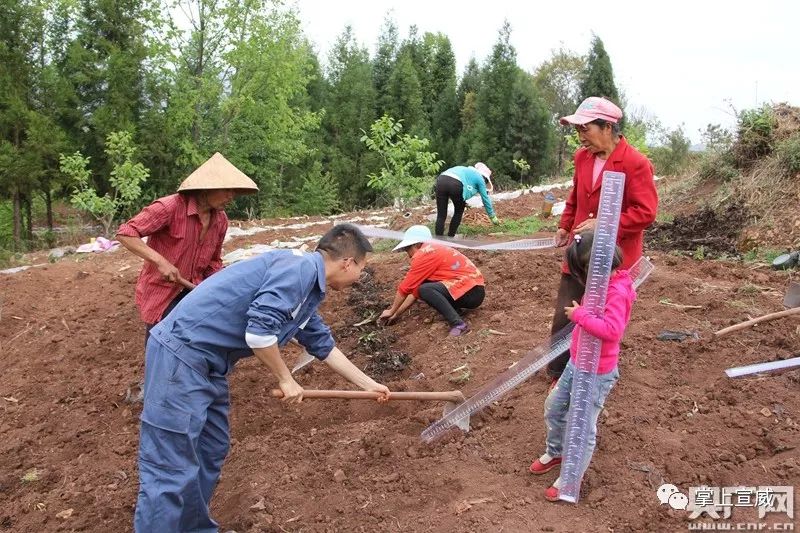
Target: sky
(686, 63)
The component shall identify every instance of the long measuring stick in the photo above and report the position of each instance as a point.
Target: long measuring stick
(587, 358)
(521, 244)
(526, 367)
(770, 366)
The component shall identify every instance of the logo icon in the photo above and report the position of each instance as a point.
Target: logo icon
(669, 494)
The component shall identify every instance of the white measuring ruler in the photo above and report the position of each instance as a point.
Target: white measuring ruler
(587, 357)
(520, 244)
(526, 367)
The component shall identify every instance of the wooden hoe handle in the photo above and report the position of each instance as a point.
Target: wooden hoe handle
(447, 396)
(764, 318)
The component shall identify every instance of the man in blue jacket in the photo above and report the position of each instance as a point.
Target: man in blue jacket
(251, 307)
(459, 184)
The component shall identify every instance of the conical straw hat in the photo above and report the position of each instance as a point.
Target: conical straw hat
(218, 173)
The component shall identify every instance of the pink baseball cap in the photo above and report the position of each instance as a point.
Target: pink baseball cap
(591, 109)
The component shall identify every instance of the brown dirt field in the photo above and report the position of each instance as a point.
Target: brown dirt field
(72, 343)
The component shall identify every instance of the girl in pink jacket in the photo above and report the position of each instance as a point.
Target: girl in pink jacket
(610, 329)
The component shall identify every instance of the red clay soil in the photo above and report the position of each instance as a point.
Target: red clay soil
(72, 344)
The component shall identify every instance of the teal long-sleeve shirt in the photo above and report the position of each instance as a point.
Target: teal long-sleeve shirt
(473, 184)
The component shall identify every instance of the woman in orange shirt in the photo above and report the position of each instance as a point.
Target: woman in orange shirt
(440, 276)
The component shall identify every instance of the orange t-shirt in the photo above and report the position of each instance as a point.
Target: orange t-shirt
(436, 262)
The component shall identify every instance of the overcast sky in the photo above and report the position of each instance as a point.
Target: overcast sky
(683, 61)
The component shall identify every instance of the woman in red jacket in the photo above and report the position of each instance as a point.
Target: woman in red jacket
(602, 148)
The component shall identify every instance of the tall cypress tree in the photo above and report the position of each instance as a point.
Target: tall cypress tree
(439, 95)
(493, 105)
(599, 79)
(530, 132)
(405, 92)
(466, 96)
(383, 64)
(350, 109)
(16, 54)
(105, 66)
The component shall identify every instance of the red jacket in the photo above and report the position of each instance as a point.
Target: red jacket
(639, 201)
(436, 262)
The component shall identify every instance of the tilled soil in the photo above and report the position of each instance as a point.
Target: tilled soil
(72, 344)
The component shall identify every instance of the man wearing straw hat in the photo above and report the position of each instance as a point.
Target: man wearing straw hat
(185, 233)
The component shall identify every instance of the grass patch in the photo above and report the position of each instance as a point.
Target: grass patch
(516, 226)
(762, 255)
(665, 218)
(384, 245)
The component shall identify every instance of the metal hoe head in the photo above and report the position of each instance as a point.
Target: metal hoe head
(792, 298)
(303, 361)
(461, 423)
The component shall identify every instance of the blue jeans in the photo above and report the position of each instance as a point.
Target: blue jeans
(184, 438)
(557, 405)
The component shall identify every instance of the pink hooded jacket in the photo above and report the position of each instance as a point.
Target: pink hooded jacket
(611, 327)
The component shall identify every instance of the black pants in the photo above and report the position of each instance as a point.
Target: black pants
(569, 289)
(167, 311)
(435, 294)
(449, 188)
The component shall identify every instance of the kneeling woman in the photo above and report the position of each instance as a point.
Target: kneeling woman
(440, 276)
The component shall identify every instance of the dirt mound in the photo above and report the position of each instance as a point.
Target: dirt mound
(367, 299)
(715, 233)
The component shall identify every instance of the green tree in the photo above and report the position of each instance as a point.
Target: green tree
(405, 92)
(466, 97)
(672, 155)
(716, 138)
(104, 65)
(319, 193)
(558, 82)
(494, 106)
(264, 124)
(530, 132)
(350, 110)
(523, 168)
(125, 179)
(383, 64)
(440, 96)
(19, 46)
(599, 78)
(408, 166)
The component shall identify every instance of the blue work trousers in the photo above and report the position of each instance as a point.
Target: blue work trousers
(184, 438)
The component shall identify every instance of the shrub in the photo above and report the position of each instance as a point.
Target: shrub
(788, 154)
(754, 136)
(319, 194)
(126, 179)
(718, 167)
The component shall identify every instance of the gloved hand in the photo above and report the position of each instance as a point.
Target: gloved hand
(495, 220)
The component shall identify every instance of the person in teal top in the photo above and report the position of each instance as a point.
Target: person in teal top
(459, 184)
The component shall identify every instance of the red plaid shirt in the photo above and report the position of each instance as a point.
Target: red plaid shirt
(172, 225)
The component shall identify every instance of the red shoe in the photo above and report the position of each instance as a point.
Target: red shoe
(551, 494)
(552, 385)
(544, 464)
